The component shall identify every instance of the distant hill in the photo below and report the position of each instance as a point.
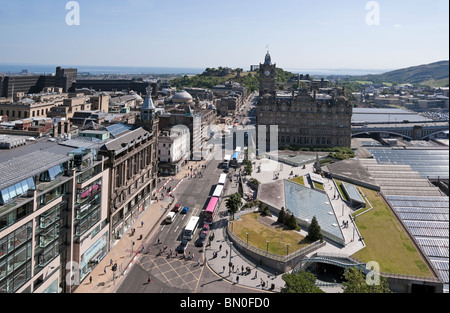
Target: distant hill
(434, 74)
(215, 76)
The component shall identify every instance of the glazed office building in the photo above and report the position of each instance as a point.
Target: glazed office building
(53, 217)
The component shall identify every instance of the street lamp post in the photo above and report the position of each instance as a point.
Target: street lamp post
(229, 264)
(267, 245)
(287, 249)
(247, 238)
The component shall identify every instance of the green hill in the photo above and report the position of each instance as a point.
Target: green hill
(434, 74)
(212, 77)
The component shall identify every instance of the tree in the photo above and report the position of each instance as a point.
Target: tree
(233, 203)
(314, 233)
(264, 210)
(291, 222)
(282, 216)
(356, 283)
(300, 282)
(248, 167)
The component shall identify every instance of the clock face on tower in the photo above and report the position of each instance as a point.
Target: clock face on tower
(267, 73)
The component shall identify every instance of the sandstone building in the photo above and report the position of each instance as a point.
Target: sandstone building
(311, 116)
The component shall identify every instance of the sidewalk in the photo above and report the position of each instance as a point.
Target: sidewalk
(121, 253)
(220, 263)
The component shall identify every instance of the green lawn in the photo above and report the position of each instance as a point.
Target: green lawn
(387, 241)
(258, 234)
(298, 180)
(318, 186)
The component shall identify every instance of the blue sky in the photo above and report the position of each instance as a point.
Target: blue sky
(301, 34)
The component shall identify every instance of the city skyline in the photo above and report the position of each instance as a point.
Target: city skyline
(378, 35)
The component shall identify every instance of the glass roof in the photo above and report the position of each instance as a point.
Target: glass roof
(428, 163)
(427, 219)
(305, 203)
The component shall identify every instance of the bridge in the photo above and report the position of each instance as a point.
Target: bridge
(407, 130)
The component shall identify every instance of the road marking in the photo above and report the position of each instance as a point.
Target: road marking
(162, 228)
(176, 229)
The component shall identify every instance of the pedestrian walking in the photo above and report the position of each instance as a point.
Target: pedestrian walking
(256, 274)
(90, 279)
(104, 270)
(220, 247)
(242, 269)
(149, 280)
(223, 269)
(226, 253)
(142, 224)
(237, 279)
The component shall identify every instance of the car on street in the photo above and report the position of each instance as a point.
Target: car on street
(204, 231)
(176, 208)
(200, 241)
(184, 210)
(183, 245)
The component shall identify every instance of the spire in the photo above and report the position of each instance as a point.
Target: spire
(148, 108)
(148, 103)
(268, 59)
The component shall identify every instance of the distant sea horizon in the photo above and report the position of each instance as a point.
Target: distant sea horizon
(122, 70)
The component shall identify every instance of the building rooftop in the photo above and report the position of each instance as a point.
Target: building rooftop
(305, 203)
(182, 96)
(430, 162)
(375, 115)
(25, 166)
(427, 219)
(126, 140)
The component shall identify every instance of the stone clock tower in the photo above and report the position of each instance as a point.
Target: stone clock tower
(267, 77)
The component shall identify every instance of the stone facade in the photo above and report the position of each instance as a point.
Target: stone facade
(307, 117)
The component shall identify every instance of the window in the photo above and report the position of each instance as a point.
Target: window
(17, 190)
(55, 172)
(54, 194)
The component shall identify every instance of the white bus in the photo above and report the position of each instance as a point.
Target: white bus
(222, 179)
(218, 191)
(190, 228)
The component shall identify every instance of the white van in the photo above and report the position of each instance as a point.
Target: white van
(170, 217)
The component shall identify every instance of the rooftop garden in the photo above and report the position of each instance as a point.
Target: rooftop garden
(387, 242)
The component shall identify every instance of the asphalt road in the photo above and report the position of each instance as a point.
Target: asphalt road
(173, 274)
